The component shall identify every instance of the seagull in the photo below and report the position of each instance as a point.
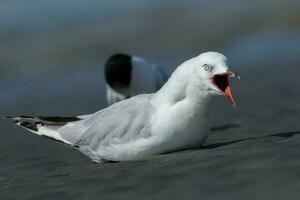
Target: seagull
(176, 117)
(127, 76)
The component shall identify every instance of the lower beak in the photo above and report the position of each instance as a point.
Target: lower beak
(229, 96)
(227, 92)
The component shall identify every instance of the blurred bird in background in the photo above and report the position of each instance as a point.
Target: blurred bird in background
(127, 76)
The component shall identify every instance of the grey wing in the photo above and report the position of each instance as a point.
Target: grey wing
(120, 123)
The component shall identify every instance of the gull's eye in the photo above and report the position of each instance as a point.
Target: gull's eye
(207, 67)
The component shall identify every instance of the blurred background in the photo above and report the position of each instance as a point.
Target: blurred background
(52, 54)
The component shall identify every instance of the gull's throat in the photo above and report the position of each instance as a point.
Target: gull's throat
(220, 81)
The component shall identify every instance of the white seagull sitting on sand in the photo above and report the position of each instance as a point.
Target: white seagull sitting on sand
(127, 76)
(174, 118)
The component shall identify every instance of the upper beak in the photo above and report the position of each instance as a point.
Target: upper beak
(231, 73)
(222, 83)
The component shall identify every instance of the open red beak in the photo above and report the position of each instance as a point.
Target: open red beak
(222, 83)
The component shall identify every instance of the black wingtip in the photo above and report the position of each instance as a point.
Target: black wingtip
(7, 117)
(29, 125)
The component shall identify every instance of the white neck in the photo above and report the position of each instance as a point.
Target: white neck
(183, 106)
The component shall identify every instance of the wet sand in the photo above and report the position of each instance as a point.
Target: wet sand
(253, 152)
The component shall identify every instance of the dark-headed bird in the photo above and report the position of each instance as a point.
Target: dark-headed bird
(127, 76)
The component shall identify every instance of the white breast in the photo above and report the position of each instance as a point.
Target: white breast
(113, 96)
(181, 126)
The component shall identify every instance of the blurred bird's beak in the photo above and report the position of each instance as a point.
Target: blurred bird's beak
(222, 84)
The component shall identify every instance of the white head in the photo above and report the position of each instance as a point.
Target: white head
(210, 72)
